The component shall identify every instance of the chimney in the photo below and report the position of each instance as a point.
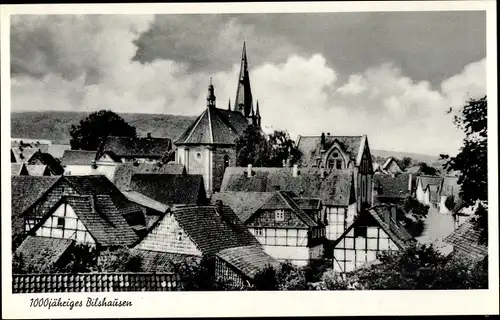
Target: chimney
(249, 171)
(394, 212)
(409, 184)
(295, 171)
(93, 201)
(328, 133)
(323, 140)
(149, 135)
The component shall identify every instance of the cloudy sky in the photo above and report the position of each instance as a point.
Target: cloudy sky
(392, 76)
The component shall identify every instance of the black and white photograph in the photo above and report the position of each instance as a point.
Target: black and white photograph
(237, 151)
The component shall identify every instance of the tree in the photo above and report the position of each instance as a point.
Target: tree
(413, 215)
(252, 148)
(91, 132)
(406, 162)
(282, 149)
(425, 169)
(472, 160)
(422, 267)
(119, 260)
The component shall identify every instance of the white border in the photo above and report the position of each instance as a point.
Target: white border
(259, 303)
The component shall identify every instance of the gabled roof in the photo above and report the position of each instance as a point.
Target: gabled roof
(450, 187)
(390, 186)
(47, 159)
(149, 147)
(413, 169)
(17, 169)
(280, 200)
(244, 204)
(102, 219)
(78, 157)
(465, 240)
(388, 161)
(57, 149)
(425, 181)
(170, 188)
(155, 261)
(38, 170)
(23, 155)
(334, 189)
(308, 203)
(395, 230)
(212, 230)
(43, 250)
(310, 146)
(214, 126)
(248, 260)
(25, 190)
(145, 201)
(124, 171)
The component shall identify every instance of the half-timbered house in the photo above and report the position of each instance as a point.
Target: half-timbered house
(373, 231)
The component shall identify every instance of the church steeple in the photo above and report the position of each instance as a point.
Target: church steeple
(211, 95)
(257, 115)
(243, 101)
(229, 105)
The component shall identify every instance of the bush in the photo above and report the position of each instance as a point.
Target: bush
(119, 260)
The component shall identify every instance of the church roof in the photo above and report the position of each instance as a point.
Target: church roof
(243, 102)
(214, 126)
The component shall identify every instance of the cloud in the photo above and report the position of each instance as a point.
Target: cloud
(85, 63)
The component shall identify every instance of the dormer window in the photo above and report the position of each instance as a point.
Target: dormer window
(279, 215)
(179, 236)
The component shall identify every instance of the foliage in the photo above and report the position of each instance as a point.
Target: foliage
(91, 132)
(405, 163)
(421, 267)
(290, 277)
(413, 217)
(472, 160)
(252, 148)
(261, 150)
(43, 265)
(427, 170)
(333, 281)
(119, 260)
(450, 203)
(315, 269)
(80, 258)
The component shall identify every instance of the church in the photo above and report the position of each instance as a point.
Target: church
(207, 147)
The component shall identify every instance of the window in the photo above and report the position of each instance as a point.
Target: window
(335, 155)
(179, 236)
(259, 232)
(339, 164)
(360, 232)
(60, 222)
(331, 164)
(198, 155)
(226, 161)
(279, 215)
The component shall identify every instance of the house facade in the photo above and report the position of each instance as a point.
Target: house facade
(427, 191)
(391, 166)
(373, 231)
(207, 147)
(449, 189)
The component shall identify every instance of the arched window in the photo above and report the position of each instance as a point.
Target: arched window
(226, 161)
(335, 160)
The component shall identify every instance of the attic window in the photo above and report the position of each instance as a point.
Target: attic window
(60, 222)
(335, 155)
(179, 236)
(279, 215)
(360, 232)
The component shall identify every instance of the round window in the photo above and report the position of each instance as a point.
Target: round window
(198, 155)
(335, 155)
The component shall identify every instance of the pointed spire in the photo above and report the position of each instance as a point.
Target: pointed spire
(211, 95)
(243, 101)
(229, 105)
(257, 111)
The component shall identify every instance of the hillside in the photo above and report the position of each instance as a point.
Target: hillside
(55, 125)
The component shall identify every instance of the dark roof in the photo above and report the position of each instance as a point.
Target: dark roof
(25, 190)
(280, 200)
(310, 146)
(425, 181)
(124, 171)
(308, 203)
(38, 170)
(170, 188)
(137, 147)
(47, 159)
(154, 261)
(43, 250)
(214, 126)
(101, 218)
(145, 201)
(211, 230)
(78, 157)
(248, 260)
(100, 185)
(392, 186)
(94, 282)
(244, 204)
(334, 189)
(465, 240)
(395, 230)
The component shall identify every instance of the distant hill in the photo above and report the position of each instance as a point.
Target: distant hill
(55, 125)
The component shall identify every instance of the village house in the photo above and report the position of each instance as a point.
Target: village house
(373, 231)
(129, 149)
(80, 162)
(122, 174)
(207, 147)
(449, 189)
(276, 220)
(194, 232)
(427, 191)
(341, 153)
(46, 164)
(36, 199)
(334, 189)
(393, 189)
(466, 242)
(391, 166)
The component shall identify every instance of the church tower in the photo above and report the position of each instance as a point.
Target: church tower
(244, 100)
